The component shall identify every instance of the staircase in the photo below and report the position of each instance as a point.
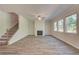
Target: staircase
(8, 35)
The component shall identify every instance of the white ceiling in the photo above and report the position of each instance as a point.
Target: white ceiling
(32, 10)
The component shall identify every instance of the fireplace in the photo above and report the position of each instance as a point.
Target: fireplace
(39, 32)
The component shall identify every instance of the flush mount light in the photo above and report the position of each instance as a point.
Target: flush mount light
(39, 17)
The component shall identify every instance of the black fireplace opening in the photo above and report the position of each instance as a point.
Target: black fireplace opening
(39, 32)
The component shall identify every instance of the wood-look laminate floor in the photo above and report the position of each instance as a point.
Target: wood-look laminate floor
(31, 45)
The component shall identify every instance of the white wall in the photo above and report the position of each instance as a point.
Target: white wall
(25, 29)
(31, 26)
(47, 27)
(39, 25)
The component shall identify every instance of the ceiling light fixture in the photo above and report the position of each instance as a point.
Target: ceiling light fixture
(39, 17)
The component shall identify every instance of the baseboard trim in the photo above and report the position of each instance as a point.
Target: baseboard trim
(64, 41)
(31, 35)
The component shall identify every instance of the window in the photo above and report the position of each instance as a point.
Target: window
(71, 24)
(55, 26)
(60, 25)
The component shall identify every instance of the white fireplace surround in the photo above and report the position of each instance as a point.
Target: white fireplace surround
(40, 26)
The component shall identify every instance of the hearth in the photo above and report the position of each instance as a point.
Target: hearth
(39, 32)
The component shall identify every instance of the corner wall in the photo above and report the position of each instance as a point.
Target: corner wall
(47, 27)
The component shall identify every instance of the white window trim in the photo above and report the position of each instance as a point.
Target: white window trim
(66, 26)
(62, 25)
